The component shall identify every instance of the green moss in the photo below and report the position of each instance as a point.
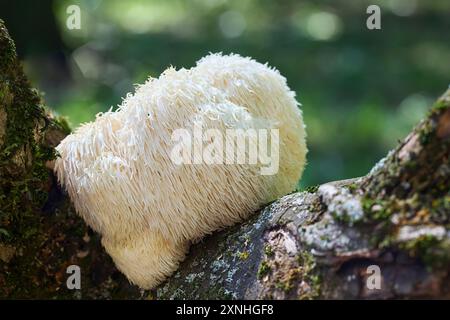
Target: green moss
(286, 286)
(62, 123)
(243, 255)
(312, 189)
(310, 275)
(352, 187)
(343, 218)
(382, 240)
(368, 204)
(23, 174)
(45, 242)
(306, 260)
(23, 153)
(263, 270)
(435, 253)
(289, 280)
(24, 178)
(441, 104)
(268, 251)
(316, 282)
(379, 218)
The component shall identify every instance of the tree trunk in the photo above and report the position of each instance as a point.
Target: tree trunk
(329, 242)
(40, 233)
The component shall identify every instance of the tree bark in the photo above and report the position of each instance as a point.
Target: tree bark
(322, 243)
(40, 233)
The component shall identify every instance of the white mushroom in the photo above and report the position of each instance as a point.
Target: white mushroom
(120, 174)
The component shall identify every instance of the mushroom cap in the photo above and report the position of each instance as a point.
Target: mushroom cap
(120, 174)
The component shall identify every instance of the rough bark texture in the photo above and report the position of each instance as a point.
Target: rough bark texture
(40, 234)
(319, 244)
(312, 244)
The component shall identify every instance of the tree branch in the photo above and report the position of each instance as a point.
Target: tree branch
(320, 244)
(315, 244)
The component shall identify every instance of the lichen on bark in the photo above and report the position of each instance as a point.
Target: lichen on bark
(307, 245)
(320, 243)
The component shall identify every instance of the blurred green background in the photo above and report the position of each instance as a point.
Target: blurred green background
(362, 90)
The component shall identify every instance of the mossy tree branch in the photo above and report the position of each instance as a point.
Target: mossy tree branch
(40, 234)
(319, 244)
(312, 244)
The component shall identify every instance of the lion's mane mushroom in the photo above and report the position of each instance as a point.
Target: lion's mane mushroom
(120, 175)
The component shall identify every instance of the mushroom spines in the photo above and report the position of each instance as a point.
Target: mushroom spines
(120, 175)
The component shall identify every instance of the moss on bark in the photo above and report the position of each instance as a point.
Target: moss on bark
(314, 244)
(40, 234)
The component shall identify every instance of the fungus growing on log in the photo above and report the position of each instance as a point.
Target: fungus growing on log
(121, 175)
